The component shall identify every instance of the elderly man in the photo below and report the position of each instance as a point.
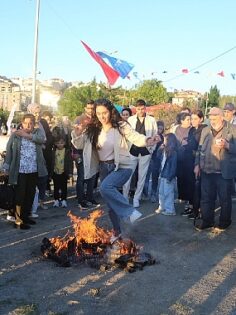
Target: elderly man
(216, 162)
(229, 113)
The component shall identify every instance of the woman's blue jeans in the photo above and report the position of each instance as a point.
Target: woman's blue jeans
(111, 181)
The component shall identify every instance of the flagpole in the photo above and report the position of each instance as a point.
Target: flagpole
(35, 59)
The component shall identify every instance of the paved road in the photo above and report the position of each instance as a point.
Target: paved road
(196, 274)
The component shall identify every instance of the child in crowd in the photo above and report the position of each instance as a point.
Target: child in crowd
(62, 167)
(168, 176)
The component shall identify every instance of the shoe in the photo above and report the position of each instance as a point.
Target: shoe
(221, 227)
(94, 203)
(21, 226)
(179, 201)
(10, 218)
(64, 204)
(34, 215)
(192, 216)
(83, 205)
(159, 210)
(168, 213)
(114, 238)
(203, 226)
(187, 212)
(30, 221)
(43, 206)
(56, 204)
(136, 203)
(135, 216)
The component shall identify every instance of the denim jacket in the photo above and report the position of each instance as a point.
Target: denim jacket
(170, 167)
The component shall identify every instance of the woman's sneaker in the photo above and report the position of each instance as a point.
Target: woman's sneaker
(186, 212)
(34, 215)
(115, 238)
(56, 204)
(10, 218)
(83, 205)
(168, 213)
(64, 204)
(159, 210)
(135, 216)
(94, 203)
(43, 206)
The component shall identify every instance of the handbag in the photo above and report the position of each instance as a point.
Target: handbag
(7, 196)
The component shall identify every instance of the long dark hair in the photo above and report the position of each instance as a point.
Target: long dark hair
(171, 144)
(94, 127)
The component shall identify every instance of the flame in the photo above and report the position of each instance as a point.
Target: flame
(87, 237)
(86, 229)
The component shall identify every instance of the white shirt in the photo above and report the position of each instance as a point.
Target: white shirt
(106, 141)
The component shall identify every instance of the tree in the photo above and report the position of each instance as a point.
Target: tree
(74, 99)
(152, 91)
(213, 97)
(227, 99)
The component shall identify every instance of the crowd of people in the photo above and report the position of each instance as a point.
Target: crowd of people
(118, 153)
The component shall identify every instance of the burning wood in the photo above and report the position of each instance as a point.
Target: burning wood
(91, 244)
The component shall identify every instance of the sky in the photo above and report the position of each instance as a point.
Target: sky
(153, 35)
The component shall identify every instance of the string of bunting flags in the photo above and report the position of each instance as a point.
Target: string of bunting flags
(184, 71)
(118, 68)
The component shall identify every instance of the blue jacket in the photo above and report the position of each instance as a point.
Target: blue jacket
(170, 167)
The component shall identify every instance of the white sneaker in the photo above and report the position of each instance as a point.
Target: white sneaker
(168, 213)
(34, 215)
(159, 210)
(56, 204)
(43, 206)
(64, 204)
(114, 238)
(135, 216)
(136, 203)
(10, 218)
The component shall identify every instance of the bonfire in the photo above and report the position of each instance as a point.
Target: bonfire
(89, 243)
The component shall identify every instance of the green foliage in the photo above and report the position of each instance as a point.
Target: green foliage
(227, 99)
(74, 99)
(152, 91)
(213, 97)
(4, 115)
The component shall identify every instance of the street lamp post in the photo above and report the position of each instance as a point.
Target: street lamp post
(35, 61)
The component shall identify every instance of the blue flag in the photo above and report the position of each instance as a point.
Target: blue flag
(121, 66)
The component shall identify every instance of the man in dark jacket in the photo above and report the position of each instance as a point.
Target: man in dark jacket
(216, 160)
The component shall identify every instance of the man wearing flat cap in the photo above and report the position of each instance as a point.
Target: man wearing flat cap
(216, 164)
(229, 113)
